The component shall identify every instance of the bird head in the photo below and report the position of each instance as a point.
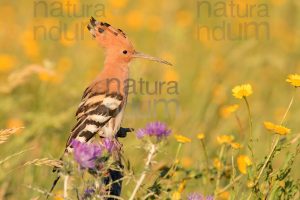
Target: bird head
(116, 43)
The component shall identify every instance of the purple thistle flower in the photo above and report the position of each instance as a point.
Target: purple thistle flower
(86, 154)
(197, 196)
(88, 193)
(157, 129)
(108, 144)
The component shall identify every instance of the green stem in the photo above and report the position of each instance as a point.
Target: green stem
(230, 184)
(239, 123)
(233, 169)
(219, 171)
(275, 143)
(250, 146)
(276, 140)
(289, 107)
(205, 155)
(250, 117)
(176, 157)
(174, 165)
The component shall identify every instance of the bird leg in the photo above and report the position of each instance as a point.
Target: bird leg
(122, 132)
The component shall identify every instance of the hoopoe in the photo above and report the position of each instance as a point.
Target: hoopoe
(103, 102)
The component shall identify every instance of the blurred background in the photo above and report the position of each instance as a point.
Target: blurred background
(47, 58)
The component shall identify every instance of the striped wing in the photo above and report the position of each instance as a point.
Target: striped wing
(94, 112)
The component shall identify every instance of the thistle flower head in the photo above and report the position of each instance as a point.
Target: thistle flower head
(108, 144)
(86, 154)
(197, 196)
(156, 129)
(88, 193)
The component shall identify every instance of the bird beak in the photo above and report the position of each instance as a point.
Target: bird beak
(145, 56)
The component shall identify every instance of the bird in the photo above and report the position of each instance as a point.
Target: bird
(103, 102)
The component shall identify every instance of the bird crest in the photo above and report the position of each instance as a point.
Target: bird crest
(108, 36)
(116, 43)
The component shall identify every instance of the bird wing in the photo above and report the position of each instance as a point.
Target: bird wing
(98, 105)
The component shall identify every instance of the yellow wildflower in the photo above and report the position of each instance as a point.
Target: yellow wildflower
(59, 195)
(236, 145)
(243, 162)
(225, 139)
(156, 23)
(294, 80)
(171, 75)
(7, 62)
(58, 198)
(15, 123)
(227, 110)
(182, 139)
(269, 125)
(134, 19)
(224, 195)
(242, 91)
(217, 163)
(47, 76)
(118, 3)
(184, 18)
(181, 186)
(278, 129)
(250, 184)
(186, 162)
(219, 93)
(201, 136)
(30, 44)
(176, 196)
(281, 130)
(282, 184)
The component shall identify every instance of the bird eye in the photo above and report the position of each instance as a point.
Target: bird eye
(100, 30)
(125, 52)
